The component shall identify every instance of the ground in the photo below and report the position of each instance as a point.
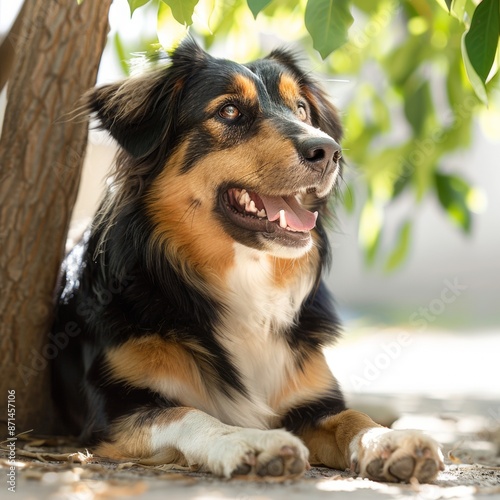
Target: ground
(56, 469)
(465, 421)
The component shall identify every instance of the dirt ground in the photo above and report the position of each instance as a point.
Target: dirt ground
(56, 470)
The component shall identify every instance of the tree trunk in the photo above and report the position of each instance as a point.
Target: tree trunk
(8, 47)
(41, 152)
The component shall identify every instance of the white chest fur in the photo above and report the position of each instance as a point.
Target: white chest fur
(257, 312)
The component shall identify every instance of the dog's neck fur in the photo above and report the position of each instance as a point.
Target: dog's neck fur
(257, 315)
(255, 300)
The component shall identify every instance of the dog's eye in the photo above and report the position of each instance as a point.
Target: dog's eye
(302, 111)
(229, 112)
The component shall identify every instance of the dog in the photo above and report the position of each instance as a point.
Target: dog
(194, 304)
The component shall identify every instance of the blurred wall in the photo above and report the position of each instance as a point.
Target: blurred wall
(441, 256)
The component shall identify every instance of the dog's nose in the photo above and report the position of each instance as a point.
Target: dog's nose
(318, 152)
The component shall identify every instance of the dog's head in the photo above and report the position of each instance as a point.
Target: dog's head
(226, 153)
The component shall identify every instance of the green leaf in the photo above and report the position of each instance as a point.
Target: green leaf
(404, 60)
(481, 40)
(257, 5)
(401, 184)
(135, 4)
(372, 250)
(327, 21)
(398, 255)
(475, 80)
(455, 88)
(348, 199)
(458, 9)
(381, 112)
(453, 192)
(370, 229)
(418, 106)
(368, 6)
(121, 53)
(182, 10)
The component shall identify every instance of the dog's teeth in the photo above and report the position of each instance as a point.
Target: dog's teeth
(316, 215)
(251, 207)
(282, 219)
(244, 199)
(262, 213)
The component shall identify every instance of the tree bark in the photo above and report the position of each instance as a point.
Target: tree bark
(8, 47)
(41, 153)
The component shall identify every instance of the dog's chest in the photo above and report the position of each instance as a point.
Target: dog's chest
(253, 330)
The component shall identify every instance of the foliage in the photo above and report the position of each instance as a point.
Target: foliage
(423, 69)
(480, 44)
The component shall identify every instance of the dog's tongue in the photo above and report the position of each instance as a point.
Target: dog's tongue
(297, 218)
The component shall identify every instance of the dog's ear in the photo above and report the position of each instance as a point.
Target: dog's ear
(140, 112)
(324, 114)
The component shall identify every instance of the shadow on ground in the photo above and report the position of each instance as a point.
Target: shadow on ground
(50, 468)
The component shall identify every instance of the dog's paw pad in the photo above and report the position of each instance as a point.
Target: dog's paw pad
(403, 468)
(394, 456)
(246, 466)
(272, 453)
(375, 469)
(298, 466)
(289, 462)
(242, 470)
(428, 470)
(274, 467)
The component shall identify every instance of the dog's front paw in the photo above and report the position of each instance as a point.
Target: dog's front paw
(401, 455)
(264, 453)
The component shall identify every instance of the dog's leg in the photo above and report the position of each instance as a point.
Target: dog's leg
(188, 436)
(352, 439)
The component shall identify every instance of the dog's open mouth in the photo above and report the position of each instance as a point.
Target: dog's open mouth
(267, 214)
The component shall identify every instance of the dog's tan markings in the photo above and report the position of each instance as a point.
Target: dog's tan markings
(285, 271)
(245, 87)
(131, 438)
(242, 89)
(289, 90)
(173, 415)
(352, 439)
(215, 128)
(179, 85)
(146, 362)
(182, 207)
(128, 442)
(305, 384)
(215, 104)
(270, 162)
(329, 442)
